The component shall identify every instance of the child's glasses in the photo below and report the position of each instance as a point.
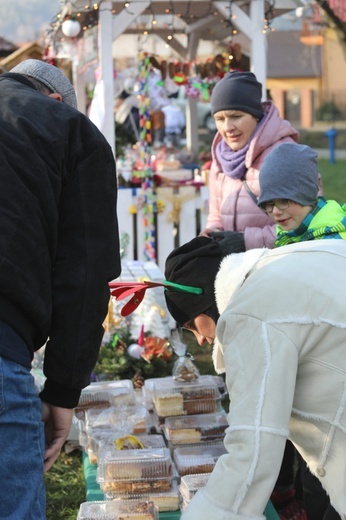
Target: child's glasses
(281, 204)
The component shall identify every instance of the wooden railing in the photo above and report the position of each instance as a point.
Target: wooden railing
(180, 215)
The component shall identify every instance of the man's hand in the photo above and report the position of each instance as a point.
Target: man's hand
(57, 427)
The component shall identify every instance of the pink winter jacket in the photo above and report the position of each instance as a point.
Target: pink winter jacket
(231, 207)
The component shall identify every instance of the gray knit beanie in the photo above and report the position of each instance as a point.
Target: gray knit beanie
(290, 171)
(238, 91)
(50, 76)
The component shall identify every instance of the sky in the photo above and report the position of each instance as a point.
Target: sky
(23, 21)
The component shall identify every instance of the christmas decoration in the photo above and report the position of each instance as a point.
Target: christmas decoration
(136, 350)
(148, 193)
(137, 291)
(71, 27)
(115, 362)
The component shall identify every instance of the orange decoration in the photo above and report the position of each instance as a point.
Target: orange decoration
(156, 347)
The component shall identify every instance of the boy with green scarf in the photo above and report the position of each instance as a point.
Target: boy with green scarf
(288, 194)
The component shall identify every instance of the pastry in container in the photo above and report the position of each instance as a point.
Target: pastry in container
(166, 382)
(190, 484)
(135, 472)
(164, 501)
(119, 510)
(196, 459)
(195, 428)
(174, 398)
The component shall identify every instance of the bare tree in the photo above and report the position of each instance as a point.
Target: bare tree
(335, 20)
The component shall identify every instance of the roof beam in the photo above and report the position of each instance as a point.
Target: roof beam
(201, 24)
(176, 46)
(123, 20)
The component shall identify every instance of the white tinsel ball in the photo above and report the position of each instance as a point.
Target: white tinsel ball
(71, 28)
(135, 350)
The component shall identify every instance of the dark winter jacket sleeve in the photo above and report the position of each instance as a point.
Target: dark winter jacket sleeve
(87, 258)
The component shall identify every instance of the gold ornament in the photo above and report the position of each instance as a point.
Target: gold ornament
(133, 210)
(177, 200)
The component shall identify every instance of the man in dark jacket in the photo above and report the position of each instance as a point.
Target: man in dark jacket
(59, 248)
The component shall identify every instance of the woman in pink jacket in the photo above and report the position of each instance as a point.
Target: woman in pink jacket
(247, 130)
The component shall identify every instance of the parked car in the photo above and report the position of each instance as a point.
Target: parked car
(205, 119)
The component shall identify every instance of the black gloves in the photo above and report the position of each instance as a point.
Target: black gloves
(229, 241)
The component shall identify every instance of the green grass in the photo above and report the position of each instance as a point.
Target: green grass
(65, 487)
(334, 179)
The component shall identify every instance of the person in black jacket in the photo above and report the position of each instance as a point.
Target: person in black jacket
(59, 248)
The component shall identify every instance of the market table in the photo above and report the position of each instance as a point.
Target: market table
(93, 493)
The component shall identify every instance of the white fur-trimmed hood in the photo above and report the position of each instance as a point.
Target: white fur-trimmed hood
(235, 268)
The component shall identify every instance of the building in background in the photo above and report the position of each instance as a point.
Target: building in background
(306, 75)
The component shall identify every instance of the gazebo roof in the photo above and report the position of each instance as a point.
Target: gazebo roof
(211, 20)
(197, 19)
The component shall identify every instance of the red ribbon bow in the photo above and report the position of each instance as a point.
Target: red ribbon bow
(123, 289)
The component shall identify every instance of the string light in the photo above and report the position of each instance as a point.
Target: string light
(228, 23)
(268, 17)
(187, 12)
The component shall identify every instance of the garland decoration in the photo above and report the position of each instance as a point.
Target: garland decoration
(147, 184)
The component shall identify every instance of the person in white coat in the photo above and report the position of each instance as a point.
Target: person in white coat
(174, 124)
(277, 321)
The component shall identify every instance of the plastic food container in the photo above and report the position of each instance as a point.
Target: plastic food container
(114, 393)
(135, 472)
(124, 509)
(119, 420)
(165, 501)
(100, 439)
(131, 419)
(168, 382)
(173, 398)
(190, 484)
(190, 460)
(195, 428)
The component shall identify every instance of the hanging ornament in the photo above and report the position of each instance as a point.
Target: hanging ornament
(136, 350)
(180, 78)
(70, 27)
(193, 87)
